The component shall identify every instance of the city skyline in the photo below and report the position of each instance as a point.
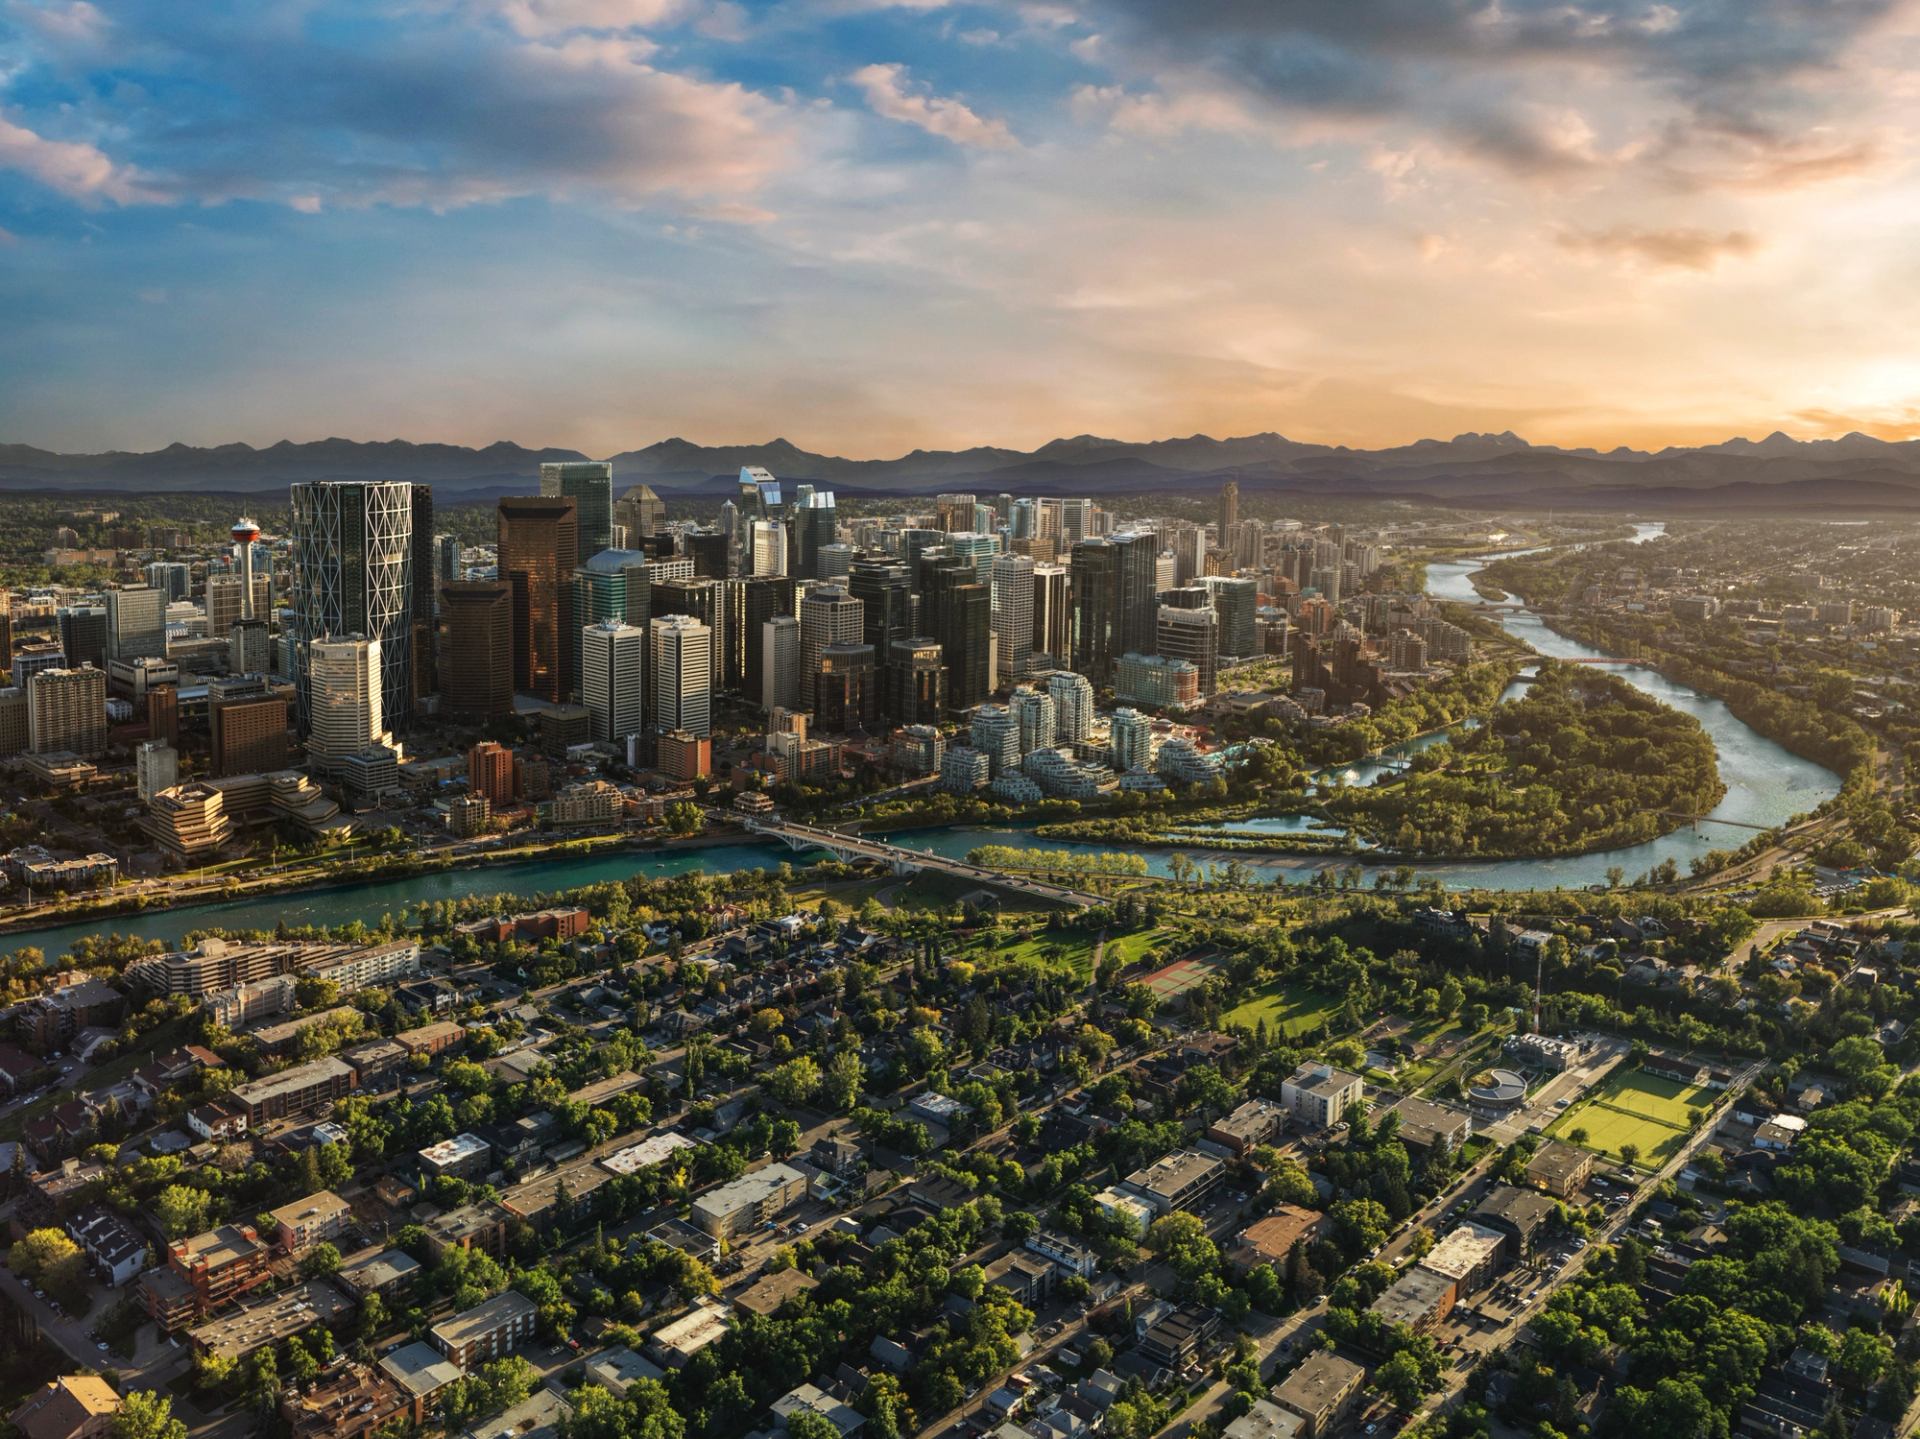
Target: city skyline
(871, 227)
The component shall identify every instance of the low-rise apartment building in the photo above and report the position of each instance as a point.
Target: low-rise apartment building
(487, 1331)
(750, 1200)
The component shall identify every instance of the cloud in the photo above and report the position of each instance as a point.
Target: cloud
(76, 169)
(76, 25)
(1697, 94)
(436, 112)
(887, 95)
(1672, 249)
(536, 18)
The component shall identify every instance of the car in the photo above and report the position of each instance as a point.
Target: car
(101, 1347)
(574, 1345)
(1561, 1103)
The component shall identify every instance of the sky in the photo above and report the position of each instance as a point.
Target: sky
(868, 226)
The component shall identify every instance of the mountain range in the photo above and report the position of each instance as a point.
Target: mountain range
(1855, 471)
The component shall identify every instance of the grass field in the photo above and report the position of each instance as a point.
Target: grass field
(1068, 947)
(1287, 1008)
(1637, 1108)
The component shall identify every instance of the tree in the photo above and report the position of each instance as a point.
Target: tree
(144, 1414)
(1863, 1360)
(1629, 1154)
(840, 1088)
(320, 1260)
(183, 1210)
(1360, 1225)
(795, 1082)
(1400, 1379)
(807, 1424)
(48, 1257)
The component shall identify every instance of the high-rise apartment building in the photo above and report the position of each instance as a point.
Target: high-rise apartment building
(706, 601)
(642, 514)
(1189, 554)
(995, 732)
(589, 483)
(845, 689)
(84, 636)
(67, 711)
(812, 524)
(1237, 601)
(476, 664)
(347, 714)
(916, 681)
(156, 766)
(1137, 598)
(249, 648)
(767, 549)
(352, 575)
(538, 551)
(1095, 587)
(453, 560)
(1191, 634)
(249, 730)
(612, 676)
(226, 601)
(956, 610)
(420, 605)
(1229, 511)
(1052, 616)
(780, 663)
(1130, 741)
(1012, 604)
(490, 774)
(955, 512)
(612, 585)
(137, 622)
(171, 578)
(1033, 711)
(751, 602)
(828, 616)
(681, 668)
(1072, 706)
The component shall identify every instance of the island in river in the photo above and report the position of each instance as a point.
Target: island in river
(1583, 761)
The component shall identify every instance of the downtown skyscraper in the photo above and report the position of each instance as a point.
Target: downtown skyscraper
(589, 484)
(352, 575)
(538, 550)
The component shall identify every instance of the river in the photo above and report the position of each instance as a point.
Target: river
(1765, 786)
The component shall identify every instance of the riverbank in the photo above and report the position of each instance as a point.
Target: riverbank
(594, 849)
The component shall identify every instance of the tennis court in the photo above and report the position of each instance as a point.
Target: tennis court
(1173, 980)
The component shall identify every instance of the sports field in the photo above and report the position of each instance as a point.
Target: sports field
(1173, 980)
(1288, 1009)
(1637, 1108)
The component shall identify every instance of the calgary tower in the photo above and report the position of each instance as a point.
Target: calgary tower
(245, 532)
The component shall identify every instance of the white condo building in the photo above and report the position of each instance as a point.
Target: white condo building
(682, 666)
(613, 666)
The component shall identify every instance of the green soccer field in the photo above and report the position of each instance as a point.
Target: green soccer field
(1637, 1108)
(1288, 1009)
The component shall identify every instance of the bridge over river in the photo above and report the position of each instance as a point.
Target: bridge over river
(906, 861)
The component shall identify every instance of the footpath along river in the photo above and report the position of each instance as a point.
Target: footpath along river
(1765, 785)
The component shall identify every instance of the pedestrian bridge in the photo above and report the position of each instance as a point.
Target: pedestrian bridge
(903, 861)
